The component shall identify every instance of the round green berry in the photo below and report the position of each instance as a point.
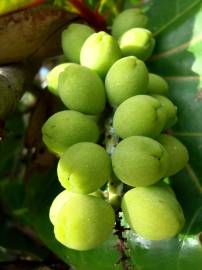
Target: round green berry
(57, 204)
(170, 110)
(157, 85)
(66, 128)
(139, 115)
(126, 78)
(138, 42)
(81, 89)
(53, 77)
(140, 161)
(84, 168)
(153, 212)
(127, 19)
(178, 154)
(73, 39)
(99, 52)
(84, 222)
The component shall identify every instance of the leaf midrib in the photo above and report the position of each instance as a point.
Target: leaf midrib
(177, 17)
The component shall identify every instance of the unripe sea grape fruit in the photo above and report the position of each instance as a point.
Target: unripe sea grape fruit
(178, 154)
(73, 39)
(53, 76)
(127, 19)
(99, 52)
(157, 85)
(153, 212)
(139, 115)
(57, 204)
(84, 168)
(84, 222)
(170, 110)
(126, 78)
(138, 42)
(81, 89)
(140, 161)
(66, 128)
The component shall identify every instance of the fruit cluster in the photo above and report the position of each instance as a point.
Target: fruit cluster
(103, 69)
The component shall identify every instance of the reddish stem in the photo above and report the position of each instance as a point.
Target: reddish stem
(33, 4)
(93, 18)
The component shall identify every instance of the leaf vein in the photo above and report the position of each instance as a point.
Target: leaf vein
(194, 177)
(177, 17)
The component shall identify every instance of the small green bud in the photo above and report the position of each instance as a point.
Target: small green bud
(126, 78)
(66, 128)
(140, 115)
(138, 42)
(153, 212)
(73, 39)
(99, 52)
(127, 19)
(53, 77)
(157, 85)
(140, 161)
(170, 110)
(178, 154)
(81, 89)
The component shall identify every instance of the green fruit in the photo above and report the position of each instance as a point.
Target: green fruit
(57, 204)
(84, 222)
(53, 76)
(126, 78)
(140, 161)
(139, 115)
(170, 110)
(99, 52)
(73, 39)
(157, 85)
(127, 19)
(178, 154)
(66, 128)
(153, 212)
(138, 42)
(84, 168)
(81, 89)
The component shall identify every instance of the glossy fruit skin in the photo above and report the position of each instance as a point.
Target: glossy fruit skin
(178, 154)
(138, 42)
(127, 19)
(140, 161)
(140, 115)
(126, 78)
(53, 77)
(170, 110)
(153, 212)
(84, 222)
(84, 168)
(57, 204)
(73, 39)
(99, 52)
(66, 128)
(157, 85)
(81, 89)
